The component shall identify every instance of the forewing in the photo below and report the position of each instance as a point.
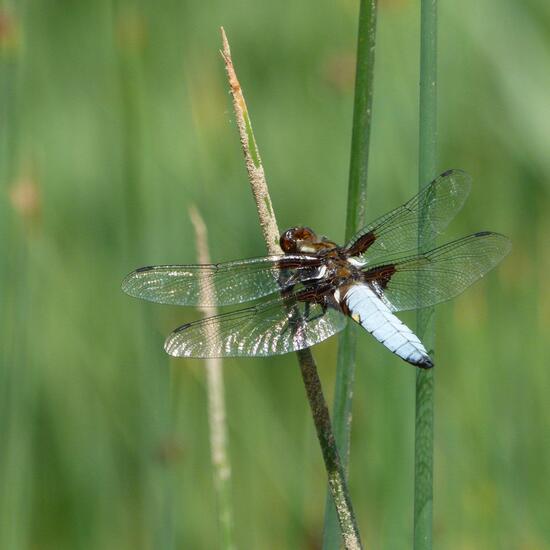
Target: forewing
(273, 327)
(440, 274)
(220, 284)
(398, 231)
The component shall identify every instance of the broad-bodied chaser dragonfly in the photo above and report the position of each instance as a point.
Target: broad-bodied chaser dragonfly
(305, 295)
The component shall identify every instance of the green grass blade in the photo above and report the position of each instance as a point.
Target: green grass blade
(423, 468)
(357, 190)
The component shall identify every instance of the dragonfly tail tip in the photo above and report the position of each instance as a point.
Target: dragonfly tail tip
(425, 363)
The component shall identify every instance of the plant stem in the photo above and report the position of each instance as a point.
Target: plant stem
(423, 466)
(362, 116)
(216, 405)
(335, 470)
(355, 219)
(312, 383)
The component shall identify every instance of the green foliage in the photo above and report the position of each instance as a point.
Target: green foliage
(114, 120)
(425, 320)
(355, 220)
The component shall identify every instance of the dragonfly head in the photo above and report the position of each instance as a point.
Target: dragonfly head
(296, 239)
(304, 240)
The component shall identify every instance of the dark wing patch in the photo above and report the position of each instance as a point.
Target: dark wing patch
(361, 244)
(397, 231)
(380, 276)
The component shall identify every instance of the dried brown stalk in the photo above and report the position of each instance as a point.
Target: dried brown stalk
(312, 382)
(216, 398)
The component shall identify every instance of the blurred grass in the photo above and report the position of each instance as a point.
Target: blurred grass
(99, 431)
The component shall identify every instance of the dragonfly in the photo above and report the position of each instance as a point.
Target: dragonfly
(306, 294)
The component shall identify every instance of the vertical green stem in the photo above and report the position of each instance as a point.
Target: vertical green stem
(362, 115)
(423, 467)
(357, 190)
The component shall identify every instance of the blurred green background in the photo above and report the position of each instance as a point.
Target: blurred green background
(115, 118)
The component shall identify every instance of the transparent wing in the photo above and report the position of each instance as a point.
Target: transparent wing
(438, 275)
(273, 327)
(397, 231)
(220, 284)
